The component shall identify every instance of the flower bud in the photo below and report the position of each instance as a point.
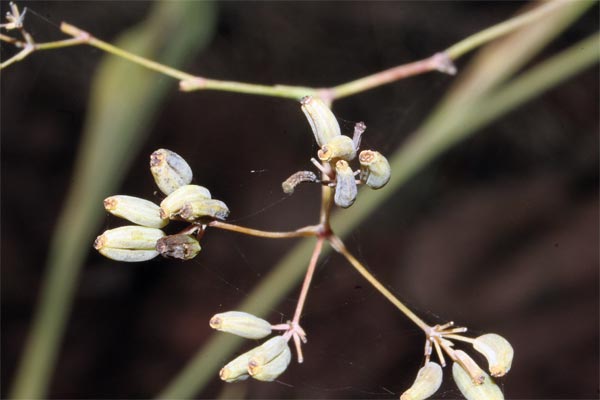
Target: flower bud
(498, 352)
(266, 352)
(271, 370)
(172, 204)
(170, 170)
(129, 243)
(428, 381)
(237, 369)
(241, 324)
(180, 246)
(345, 187)
(375, 169)
(476, 373)
(338, 147)
(194, 210)
(139, 211)
(488, 390)
(321, 120)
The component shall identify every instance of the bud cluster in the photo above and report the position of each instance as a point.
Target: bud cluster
(472, 381)
(264, 362)
(184, 201)
(335, 152)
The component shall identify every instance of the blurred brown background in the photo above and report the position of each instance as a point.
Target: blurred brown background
(499, 234)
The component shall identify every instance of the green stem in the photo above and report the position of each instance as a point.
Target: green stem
(339, 246)
(85, 37)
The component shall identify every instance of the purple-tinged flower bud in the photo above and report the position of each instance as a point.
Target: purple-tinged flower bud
(241, 324)
(345, 187)
(170, 170)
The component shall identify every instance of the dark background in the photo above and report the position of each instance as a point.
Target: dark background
(499, 234)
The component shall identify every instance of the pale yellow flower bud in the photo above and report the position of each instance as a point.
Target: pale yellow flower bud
(241, 324)
(172, 204)
(498, 352)
(266, 352)
(271, 370)
(129, 243)
(375, 169)
(345, 187)
(488, 390)
(237, 369)
(198, 209)
(170, 170)
(321, 120)
(428, 381)
(180, 246)
(139, 211)
(338, 147)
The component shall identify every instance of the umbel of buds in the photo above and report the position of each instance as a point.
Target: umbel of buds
(184, 202)
(472, 381)
(265, 362)
(336, 151)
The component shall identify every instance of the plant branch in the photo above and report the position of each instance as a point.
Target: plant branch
(307, 279)
(339, 246)
(302, 232)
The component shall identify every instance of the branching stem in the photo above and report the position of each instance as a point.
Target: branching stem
(302, 232)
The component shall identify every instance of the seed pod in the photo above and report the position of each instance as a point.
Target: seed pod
(345, 187)
(172, 204)
(266, 352)
(321, 120)
(428, 381)
(498, 352)
(338, 147)
(129, 243)
(469, 365)
(488, 390)
(237, 369)
(271, 370)
(170, 170)
(241, 324)
(294, 180)
(139, 211)
(198, 209)
(182, 247)
(375, 169)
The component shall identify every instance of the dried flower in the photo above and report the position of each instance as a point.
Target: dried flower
(428, 381)
(241, 324)
(498, 352)
(375, 169)
(129, 243)
(294, 180)
(170, 170)
(180, 246)
(487, 390)
(139, 211)
(322, 121)
(345, 188)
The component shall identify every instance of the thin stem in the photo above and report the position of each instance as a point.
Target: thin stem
(302, 232)
(290, 92)
(437, 62)
(472, 42)
(307, 279)
(60, 44)
(339, 246)
(109, 48)
(18, 57)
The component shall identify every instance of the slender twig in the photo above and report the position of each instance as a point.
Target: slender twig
(339, 246)
(307, 279)
(302, 232)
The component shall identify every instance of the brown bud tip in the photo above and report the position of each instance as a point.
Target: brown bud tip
(99, 242)
(366, 156)
(215, 322)
(110, 203)
(157, 158)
